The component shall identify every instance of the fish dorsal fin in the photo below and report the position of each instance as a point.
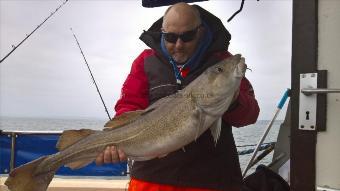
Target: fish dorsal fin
(69, 137)
(215, 129)
(125, 118)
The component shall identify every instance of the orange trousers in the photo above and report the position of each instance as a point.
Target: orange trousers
(139, 185)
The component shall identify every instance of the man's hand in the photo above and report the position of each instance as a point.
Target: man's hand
(111, 155)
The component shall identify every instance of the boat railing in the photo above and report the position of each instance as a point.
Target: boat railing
(20, 147)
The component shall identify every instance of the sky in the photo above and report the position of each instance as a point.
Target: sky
(46, 77)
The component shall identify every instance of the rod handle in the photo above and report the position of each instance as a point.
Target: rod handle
(284, 99)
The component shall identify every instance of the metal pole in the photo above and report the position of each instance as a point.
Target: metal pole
(12, 161)
(279, 107)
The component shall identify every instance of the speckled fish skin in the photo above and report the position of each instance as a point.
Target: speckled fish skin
(167, 125)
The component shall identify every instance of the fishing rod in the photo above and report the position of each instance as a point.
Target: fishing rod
(238, 11)
(27, 36)
(94, 81)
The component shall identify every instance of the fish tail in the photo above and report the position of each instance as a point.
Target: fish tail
(23, 178)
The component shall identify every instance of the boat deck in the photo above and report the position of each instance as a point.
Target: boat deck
(81, 184)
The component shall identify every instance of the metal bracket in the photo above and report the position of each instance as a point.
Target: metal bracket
(307, 107)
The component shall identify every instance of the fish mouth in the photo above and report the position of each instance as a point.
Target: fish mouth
(241, 68)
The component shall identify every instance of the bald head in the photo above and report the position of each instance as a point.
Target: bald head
(180, 15)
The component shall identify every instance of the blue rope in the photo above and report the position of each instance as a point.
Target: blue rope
(254, 144)
(249, 151)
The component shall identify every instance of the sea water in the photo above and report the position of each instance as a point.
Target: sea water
(248, 135)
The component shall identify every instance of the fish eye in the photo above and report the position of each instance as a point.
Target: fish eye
(219, 69)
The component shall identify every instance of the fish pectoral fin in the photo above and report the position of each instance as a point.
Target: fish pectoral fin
(79, 164)
(198, 114)
(125, 118)
(70, 137)
(215, 129)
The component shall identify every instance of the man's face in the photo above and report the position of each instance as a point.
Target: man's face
(180, 50)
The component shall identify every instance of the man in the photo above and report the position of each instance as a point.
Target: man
(186, 41)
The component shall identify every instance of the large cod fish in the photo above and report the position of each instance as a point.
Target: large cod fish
(167, 125)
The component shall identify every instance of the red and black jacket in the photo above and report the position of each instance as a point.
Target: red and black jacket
(201, 163)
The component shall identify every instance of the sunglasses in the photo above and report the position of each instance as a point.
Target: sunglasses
(185, 36)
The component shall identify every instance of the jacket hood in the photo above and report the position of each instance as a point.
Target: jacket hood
(220, 41)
